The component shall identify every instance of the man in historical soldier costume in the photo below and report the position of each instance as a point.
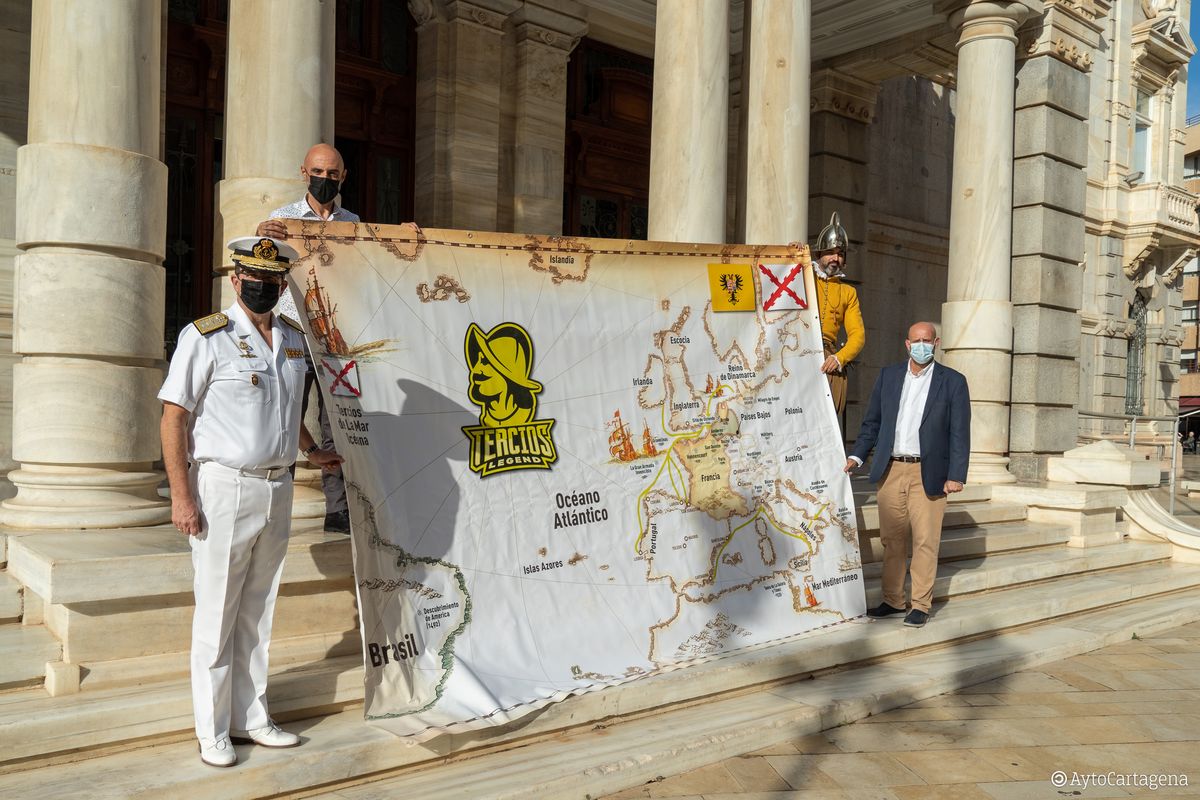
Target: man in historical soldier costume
(231, 426)
(838, 303)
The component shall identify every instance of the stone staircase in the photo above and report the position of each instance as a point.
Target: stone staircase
(25, 644)
(1010, 593)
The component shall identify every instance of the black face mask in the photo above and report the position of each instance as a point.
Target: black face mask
(260, 296)
(322, 189)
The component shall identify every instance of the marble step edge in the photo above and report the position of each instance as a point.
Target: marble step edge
(292, 651)
(865, 492)
(11, 598)
(76, 567)
(980, 540)
(1011, 570)
(40, 726)
(35, 736)
(25, 649)
(341, 751)
(957, 515)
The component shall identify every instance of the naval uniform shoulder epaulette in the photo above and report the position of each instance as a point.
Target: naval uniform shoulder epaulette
(291, 322)
(213, 322)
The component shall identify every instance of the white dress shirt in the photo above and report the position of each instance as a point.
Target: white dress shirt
(244, 397)
(302, 210)
(912, 409)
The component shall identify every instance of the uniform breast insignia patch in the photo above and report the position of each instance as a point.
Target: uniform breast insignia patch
(213, 322)
(291, 323)
(293, 352)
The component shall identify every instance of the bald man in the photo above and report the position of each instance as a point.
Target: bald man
(919, 425)
(323, 171)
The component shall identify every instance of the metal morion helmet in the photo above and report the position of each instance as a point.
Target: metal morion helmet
(833, 236)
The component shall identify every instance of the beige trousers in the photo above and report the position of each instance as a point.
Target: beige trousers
(905, 509)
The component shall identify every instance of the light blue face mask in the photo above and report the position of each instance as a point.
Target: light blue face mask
(921, 352)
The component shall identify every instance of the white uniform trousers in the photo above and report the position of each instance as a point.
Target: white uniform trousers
(238, 559)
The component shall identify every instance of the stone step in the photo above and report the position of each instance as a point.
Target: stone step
(85, 566)
(10, 598)
(958, 515)
(26, 650)
(289, 651)
(865, 493)
(590, 760)
(35, 726)
(958, 543)
(1002, 570)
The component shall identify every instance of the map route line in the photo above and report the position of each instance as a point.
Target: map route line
(673, 437)
(761, 512)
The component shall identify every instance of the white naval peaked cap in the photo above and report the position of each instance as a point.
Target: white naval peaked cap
(263, 253)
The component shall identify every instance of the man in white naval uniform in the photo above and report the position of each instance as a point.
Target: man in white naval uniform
(230, 429)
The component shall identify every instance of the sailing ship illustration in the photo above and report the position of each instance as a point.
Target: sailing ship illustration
(322, 316)
(620, 442)
(809, 597)
(648, 448)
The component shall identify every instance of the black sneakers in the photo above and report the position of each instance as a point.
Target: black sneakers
(883, 610)
(338, 522)
(916, 619)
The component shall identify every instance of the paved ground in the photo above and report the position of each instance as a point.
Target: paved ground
(1126, 713)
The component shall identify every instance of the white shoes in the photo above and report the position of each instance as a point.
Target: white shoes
(270, 735)
(218, 752)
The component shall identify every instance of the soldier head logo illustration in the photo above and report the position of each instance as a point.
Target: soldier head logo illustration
(500, 362)
(508, 436)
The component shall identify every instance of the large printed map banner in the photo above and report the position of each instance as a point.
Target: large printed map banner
(572, 462)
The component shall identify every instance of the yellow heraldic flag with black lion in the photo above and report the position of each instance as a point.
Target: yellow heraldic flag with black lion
(508, 436)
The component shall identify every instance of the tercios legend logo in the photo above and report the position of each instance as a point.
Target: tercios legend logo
(508, 436)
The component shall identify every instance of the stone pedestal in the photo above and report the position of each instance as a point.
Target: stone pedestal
(690, 127)
(89, 304)
(776, 96)
(278, 103)
(1088, 512)
(977, 317)
(459, 48)
(1103, 463)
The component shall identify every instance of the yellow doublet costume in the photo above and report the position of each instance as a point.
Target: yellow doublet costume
(839, 307)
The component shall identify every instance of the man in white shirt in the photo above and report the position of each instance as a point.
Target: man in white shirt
(231, 425)
(919, 424)
(323, 171)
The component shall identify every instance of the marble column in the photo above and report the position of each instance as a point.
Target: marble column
(91, 228)
(776, 96)
(690, 123)
(977, 328)
(531, 197)
(459, 57)
(278, 103)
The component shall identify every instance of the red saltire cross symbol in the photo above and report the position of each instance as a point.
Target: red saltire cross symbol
(782, 288)
(339, 377)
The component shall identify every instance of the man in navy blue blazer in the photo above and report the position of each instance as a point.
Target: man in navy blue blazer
(919, 425)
